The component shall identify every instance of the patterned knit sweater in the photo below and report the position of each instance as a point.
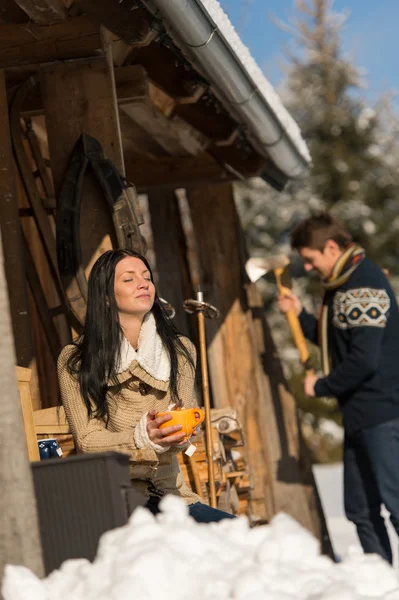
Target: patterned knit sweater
(129, 401)
(363, 334)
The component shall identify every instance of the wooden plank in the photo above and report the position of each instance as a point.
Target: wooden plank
(79, 96)
(44, 12)
(132, 26)
(23, 45)
(50, 331)
(51, 420)
(173, 172)
(27, 415)
(12, 240)
(23, 374)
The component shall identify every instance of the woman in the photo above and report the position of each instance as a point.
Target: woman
(130, 364)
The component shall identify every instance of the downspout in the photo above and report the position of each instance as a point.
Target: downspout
(193, 29)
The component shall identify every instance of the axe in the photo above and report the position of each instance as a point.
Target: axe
(257, 267)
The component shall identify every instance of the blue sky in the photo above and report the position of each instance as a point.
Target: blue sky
(370, 37)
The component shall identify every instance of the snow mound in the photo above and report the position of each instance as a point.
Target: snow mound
(174, 558)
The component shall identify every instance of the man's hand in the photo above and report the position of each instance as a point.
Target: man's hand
(308, 385)
(289, 302)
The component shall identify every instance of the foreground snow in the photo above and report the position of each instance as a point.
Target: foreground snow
(173, 558)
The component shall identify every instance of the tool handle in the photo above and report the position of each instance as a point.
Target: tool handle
(297, 333)
(300, 341)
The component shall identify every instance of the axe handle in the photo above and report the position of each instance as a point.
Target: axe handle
(297, 333)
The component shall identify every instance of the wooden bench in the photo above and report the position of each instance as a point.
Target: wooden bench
(44, 423)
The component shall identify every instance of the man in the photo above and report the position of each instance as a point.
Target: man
(358, 334)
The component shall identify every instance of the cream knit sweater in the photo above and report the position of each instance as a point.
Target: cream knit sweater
(129, 402)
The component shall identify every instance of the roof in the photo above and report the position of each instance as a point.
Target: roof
(206, 36)
(255, 73)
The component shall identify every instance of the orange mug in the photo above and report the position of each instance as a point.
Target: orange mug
(188, 418)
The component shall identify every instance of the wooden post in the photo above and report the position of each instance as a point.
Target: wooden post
(19, 531)
(12, 240)
(171, 254)
(244, 368)
(79, 96)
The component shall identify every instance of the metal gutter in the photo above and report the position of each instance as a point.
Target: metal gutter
(198, 36)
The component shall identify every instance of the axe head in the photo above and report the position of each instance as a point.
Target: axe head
(256, 267)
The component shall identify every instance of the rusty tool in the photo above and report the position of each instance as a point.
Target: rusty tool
(203, 309)
(256, 267)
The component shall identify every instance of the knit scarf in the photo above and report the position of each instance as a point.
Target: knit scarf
(343, 269)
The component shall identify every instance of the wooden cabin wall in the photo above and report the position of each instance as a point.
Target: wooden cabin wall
(27, 329)
(78, 97)
(233, 359)
(244, 367)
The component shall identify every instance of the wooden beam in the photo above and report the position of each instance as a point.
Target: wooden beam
(12, 241)
(10, 12)
(173, 172)
(79, 97)
(44, 12)
(132, 84)
(24, 45)
(169, 74)
(174, 136)
(133, 26)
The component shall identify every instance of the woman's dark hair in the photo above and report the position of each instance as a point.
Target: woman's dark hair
(315, 231)
(97, 352)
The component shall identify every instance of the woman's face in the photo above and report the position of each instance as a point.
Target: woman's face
(134, 290)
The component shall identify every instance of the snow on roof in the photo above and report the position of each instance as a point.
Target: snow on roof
(266, 90)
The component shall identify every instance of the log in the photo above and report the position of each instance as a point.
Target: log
(24, 45)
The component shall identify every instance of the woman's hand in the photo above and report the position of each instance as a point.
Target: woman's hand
(167, 436)
(289, 302)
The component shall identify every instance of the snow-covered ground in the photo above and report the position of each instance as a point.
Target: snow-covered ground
(329, 479)
(174, 558)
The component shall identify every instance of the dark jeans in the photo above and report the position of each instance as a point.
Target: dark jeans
(202, 513)
(371, 478)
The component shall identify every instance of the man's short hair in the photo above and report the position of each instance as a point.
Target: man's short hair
(315, 231)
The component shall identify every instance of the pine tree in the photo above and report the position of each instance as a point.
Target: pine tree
(355, 173)
(352, 173)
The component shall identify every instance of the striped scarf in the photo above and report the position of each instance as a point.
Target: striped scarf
(343, 269)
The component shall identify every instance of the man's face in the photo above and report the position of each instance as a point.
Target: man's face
(322, 262)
